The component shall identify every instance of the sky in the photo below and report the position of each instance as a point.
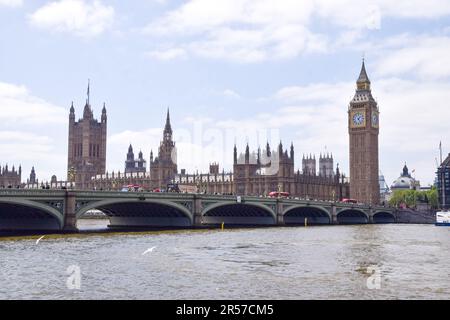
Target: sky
(230, 71)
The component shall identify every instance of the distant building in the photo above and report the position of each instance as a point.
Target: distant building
(274, 170)
(443, 183)
(384, 189)
(10, 178)
(326, 163)
(163, 168)
(309, 165)
(405, 181)
(135, 165)
(32, 180)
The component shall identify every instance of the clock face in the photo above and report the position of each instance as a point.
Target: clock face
(375, 119)
(358, 118)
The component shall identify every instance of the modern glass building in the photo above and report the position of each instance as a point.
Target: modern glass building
(443, 183)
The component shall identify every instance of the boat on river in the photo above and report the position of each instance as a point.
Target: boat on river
(443, 218)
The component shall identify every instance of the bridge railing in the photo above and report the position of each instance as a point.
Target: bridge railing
(31, 192)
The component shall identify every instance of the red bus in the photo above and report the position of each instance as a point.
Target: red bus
(345, 200)
(276, 194)
(131, 188)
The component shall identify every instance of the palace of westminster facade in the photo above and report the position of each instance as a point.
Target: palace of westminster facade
(254, 173)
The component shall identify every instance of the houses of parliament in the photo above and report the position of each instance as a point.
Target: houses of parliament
(255, 173)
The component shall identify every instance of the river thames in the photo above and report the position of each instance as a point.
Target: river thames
(326, 262)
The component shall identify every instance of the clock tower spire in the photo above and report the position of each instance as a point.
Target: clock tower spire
(363, 126)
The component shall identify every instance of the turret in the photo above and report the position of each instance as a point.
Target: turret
(104, 116)
(72, 114)
(32, 176)
(247, 154)
(235, 154)
(130, 154)
(268, 152)
(258, 157)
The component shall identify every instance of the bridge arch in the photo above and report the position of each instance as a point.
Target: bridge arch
(141, 213)
(352, 216)
(29, 215)
(383, 217)
(314, 215)
(239, 214)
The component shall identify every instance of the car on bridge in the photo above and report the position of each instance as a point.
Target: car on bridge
(345, 200)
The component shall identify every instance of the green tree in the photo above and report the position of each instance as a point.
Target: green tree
(433, 198)
(411, 197)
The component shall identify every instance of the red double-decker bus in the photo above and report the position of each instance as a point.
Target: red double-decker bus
(276, 194)
(345, 200)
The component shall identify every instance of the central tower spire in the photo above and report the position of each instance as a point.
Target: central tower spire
(168, 127)
(363, 82)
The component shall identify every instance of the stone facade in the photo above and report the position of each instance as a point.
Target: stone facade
(363, 126)
(274, 170)
(87, 146)
(10, 178)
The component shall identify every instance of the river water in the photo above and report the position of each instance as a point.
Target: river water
(326, 262)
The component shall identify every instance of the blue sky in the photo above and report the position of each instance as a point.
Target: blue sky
(235, 70)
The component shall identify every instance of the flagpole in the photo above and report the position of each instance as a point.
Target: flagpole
(441, 168)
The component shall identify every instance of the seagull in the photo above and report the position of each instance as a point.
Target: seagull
(149, 250)
(37, 241)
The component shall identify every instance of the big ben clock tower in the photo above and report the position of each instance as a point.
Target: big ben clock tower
(363, 128)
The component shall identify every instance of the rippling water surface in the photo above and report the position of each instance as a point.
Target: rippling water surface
(327, 262)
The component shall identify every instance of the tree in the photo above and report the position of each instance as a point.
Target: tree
(411, 197)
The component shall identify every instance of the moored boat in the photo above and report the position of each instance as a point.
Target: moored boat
(443, 218)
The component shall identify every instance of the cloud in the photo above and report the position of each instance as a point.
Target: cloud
(31, 132)
(316, 92)
(248, 31)
(242, 31)
(231, 94)
(19, 107)
(168, 54)
(422, 56)
(79, 17)
(11, 3)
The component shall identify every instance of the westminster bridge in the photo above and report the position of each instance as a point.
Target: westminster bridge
(60, 210)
